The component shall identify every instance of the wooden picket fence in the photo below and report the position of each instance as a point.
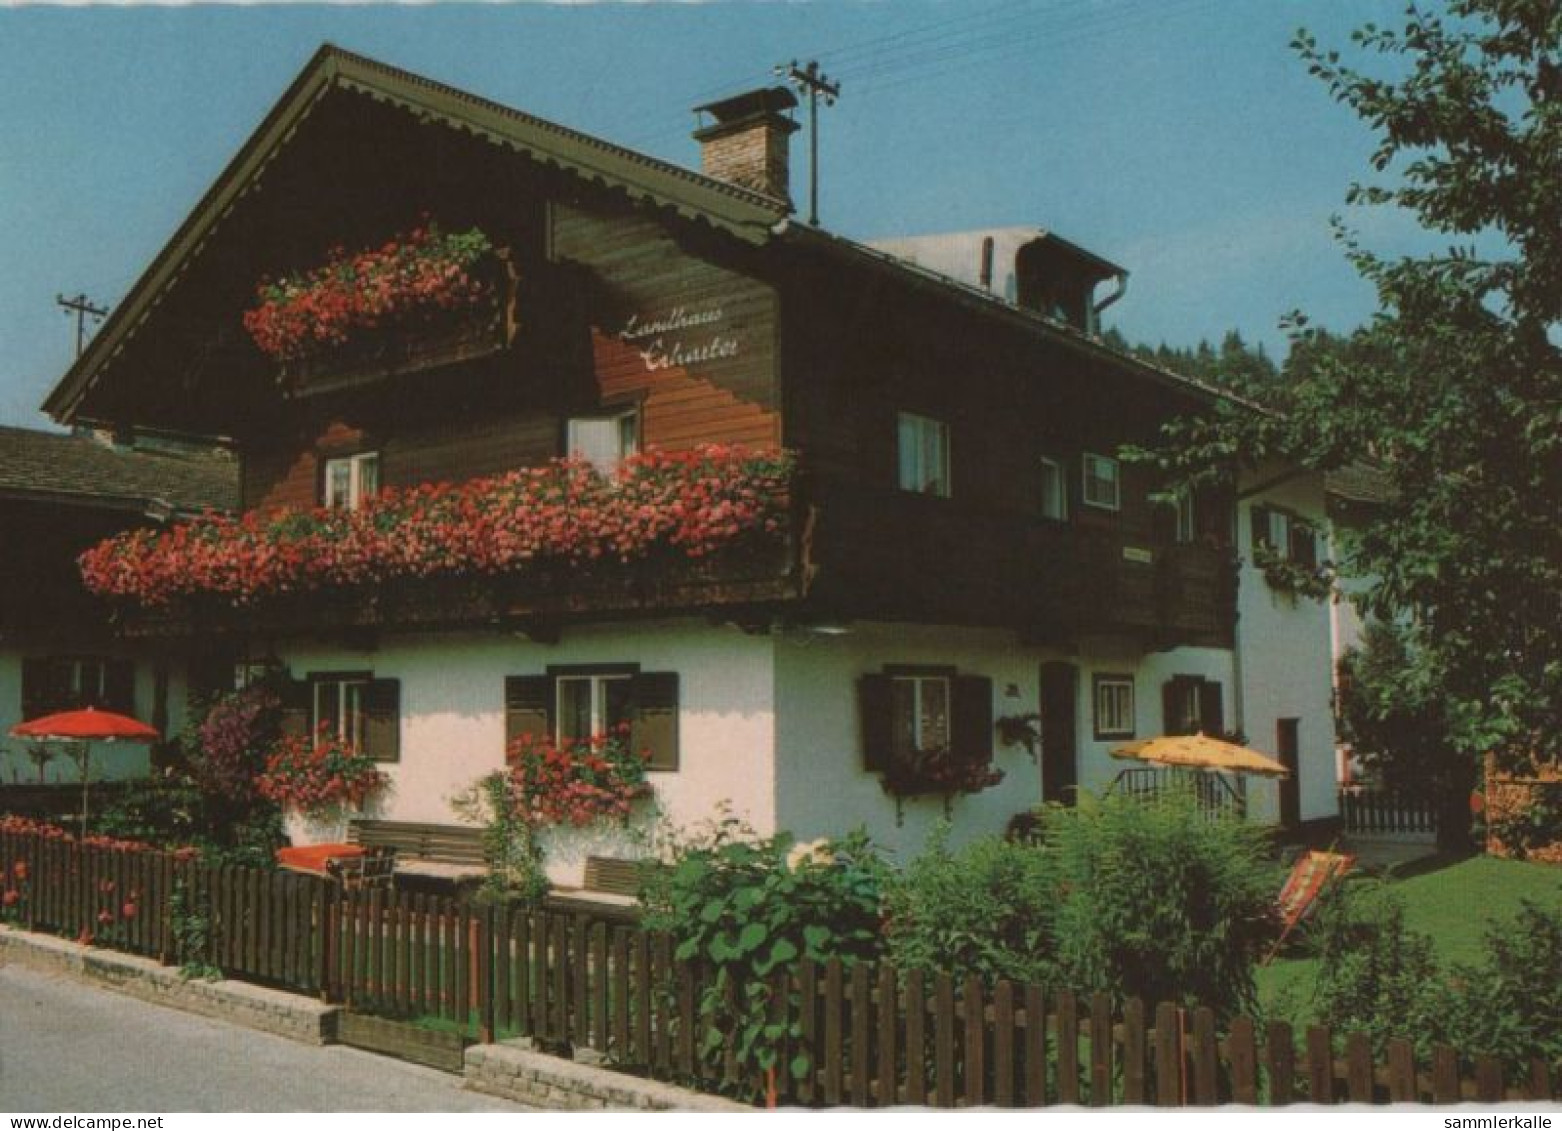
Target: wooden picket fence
(1366, 812)
(861, 1035)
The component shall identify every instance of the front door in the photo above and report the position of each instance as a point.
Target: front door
(1059, 732)
(1288, 746)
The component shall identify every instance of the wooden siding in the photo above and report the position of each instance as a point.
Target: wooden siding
(650, 302)
(858, 356)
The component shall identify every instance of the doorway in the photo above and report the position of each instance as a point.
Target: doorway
(1288, 746)
(1059, 732)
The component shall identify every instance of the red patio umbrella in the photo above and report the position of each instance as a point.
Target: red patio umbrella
(85, 726)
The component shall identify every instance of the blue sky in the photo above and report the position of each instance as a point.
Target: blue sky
(1179, 138)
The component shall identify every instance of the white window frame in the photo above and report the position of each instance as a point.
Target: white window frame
(1054, 502)
(626, 423)
(912, 435)
(1280, 533)
(917, 683)
(1114, 707)
(356, 494)
(349, 692)
(1091, 463)
(598, 682)
(1186, 529)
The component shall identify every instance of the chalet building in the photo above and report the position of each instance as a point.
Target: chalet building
(958, 545)
(59, 495)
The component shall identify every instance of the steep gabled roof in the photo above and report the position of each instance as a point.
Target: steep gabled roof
(742, 212)
(84, 471)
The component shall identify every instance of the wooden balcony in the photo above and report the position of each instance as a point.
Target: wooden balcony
(759, 573)
(898, 556)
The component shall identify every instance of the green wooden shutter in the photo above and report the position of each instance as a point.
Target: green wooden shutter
(972, 724)
(1172, 699)
(382, 719)
(655, 727)
(1212, 708)
(528, 707)
(297, 706)
(1304, 544)
(876, 702)
(119, 686)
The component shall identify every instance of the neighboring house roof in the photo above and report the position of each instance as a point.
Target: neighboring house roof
(959, 255)
(84, 470)
(741, 212)
(1360, 483)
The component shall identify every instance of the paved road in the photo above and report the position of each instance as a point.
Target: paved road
(65, 1047)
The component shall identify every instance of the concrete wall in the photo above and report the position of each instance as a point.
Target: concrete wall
(1286, 659)
(110, 761)
(452, 709)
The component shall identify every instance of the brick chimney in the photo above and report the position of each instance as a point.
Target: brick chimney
(748, 142)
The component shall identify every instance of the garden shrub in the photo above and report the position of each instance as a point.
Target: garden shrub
(1157, 900)
(742, 907)
(1375, 975)
(1378, 977)
(984, 909)
(1160, 900)
(1509, 1004)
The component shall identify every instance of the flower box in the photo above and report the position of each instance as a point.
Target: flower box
(563, 523)
(424, 299)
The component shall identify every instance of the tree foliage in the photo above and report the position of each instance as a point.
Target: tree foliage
(1454, 388)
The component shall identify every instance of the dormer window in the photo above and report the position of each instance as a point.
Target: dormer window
(604, 441)
(350, 481)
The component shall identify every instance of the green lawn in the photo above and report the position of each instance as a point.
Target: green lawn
(1452, 899)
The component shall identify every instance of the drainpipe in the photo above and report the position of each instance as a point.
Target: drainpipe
(1121, 279)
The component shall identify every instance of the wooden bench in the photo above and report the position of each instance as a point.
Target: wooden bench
(611, 890)
(445, 852)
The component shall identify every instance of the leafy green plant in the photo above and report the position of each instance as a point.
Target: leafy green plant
(516, 876)
(1375, 975)
(742, 907)
(986, 908)
(190, 920)
(1160, 899)
(1508, 1005)
(1294, 578)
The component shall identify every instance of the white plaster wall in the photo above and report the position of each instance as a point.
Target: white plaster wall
(452, 711)
(1286, 658)
(822, 788)
(110, 761)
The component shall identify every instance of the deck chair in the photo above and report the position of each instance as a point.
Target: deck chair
(1310, 876)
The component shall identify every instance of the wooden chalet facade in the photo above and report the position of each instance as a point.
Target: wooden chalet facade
(958, 543)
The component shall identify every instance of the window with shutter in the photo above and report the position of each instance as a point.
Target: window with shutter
(1259, 517)
(297, 705)
(381, 726)
(655, 727)
(973, 718)
(875, 702)
(1212, 709)
(527, 707)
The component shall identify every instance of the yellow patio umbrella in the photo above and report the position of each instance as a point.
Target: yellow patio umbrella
(1201, 752)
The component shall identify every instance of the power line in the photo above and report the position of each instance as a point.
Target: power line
(816, 83)
(83, 309)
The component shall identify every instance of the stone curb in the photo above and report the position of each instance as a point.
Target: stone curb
(255, 1007)
(505, 1070)
(516, 1073)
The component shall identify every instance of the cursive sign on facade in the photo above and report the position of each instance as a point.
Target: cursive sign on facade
(680, 337)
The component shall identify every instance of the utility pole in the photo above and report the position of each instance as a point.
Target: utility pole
(816, 83)
(82, 309)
